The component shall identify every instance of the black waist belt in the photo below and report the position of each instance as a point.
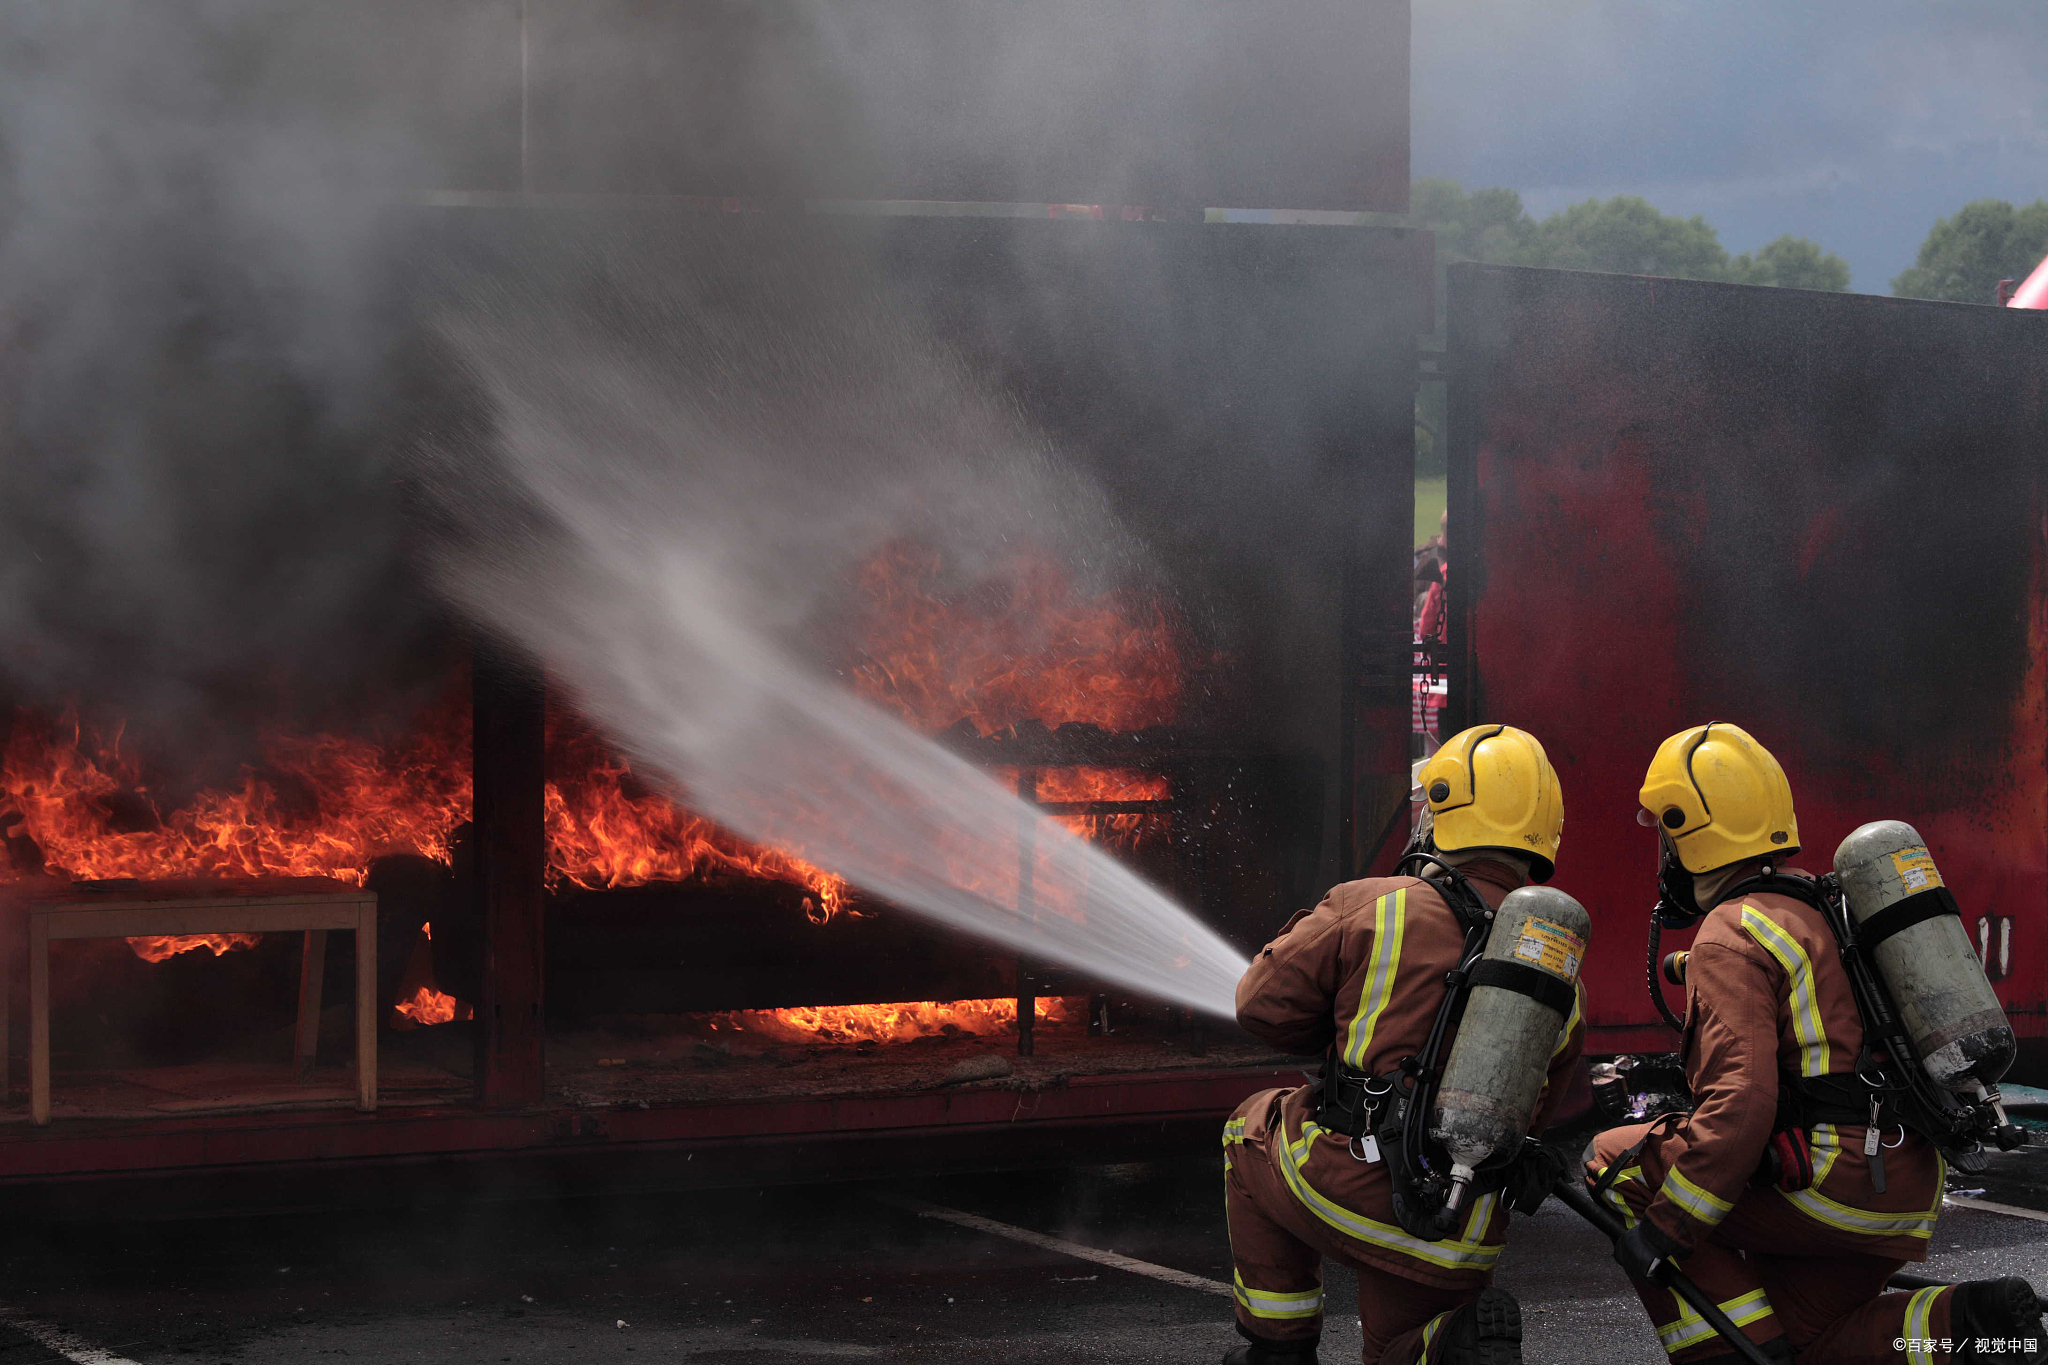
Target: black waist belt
(1804, 1101)
(1355, 1104)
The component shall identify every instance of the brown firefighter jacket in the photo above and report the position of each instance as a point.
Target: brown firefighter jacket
(1767, 996)
(1365, 970)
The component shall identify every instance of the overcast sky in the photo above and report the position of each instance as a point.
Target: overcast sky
(1854, 122)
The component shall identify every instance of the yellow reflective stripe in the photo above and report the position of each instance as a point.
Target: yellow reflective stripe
(1806, 1024)
(1613, 1193)
(1266, 1303)
(1389, 918)
(1430, 1330)
(1565, 1034)
(1466, 1253)
(1691, 1329)
(1918, 1326)
(1827, 1145)
(1233, 1132)
(1702, 1204)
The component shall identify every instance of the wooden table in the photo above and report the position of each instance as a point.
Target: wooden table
(310, 913)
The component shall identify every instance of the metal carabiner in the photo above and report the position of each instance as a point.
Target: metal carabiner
(1888, 1146)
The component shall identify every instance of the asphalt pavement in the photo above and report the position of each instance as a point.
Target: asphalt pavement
(1105, 1264)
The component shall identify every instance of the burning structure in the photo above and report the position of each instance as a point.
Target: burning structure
(569, 961)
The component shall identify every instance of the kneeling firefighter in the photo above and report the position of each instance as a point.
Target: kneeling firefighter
(1827, 1085)
(1446, 1006)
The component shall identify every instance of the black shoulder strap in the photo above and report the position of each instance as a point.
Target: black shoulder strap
(1773, 882)
(1448, 882)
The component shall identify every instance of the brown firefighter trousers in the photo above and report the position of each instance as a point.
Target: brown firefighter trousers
(1279, 1247)
(1776, 1272)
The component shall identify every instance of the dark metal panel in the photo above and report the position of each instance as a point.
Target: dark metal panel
(1817, 516)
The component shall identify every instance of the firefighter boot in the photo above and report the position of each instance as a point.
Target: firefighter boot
(1999, 1311)
(1486, 1331)
(1265, 1351)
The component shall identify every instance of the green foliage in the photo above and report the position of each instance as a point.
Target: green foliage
(1965, 257)
(1791, 263)
(1485, 225)
(1627, 235)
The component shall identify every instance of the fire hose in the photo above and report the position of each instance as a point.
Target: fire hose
(1571, 1191)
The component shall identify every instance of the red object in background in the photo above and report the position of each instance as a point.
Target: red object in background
(1819, 517)
(2033, 290)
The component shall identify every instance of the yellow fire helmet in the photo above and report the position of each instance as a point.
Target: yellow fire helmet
(1720, 797)
(1493, 787)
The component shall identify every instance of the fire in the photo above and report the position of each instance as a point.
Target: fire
(1025, 643)
(157, 947)
(1039, 648)
(317, 806)
(893, 1023)
(429, 1006)
(607, 828)
(320, 806)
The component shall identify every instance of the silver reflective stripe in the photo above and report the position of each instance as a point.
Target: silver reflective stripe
(1267, 1303)
(1389, 921)
(1691, 1329)
(1464, 1254)
(1805, 1004)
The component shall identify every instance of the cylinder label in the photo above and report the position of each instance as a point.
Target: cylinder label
(1551, 946)
(1916, 868)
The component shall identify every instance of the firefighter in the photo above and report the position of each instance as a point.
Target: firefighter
(1360, 979)
(1770, 1194)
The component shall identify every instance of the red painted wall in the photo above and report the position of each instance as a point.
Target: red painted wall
(1817, 516)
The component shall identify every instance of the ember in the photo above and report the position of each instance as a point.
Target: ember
(895, 1023)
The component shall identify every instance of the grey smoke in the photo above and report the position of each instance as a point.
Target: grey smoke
(679, 470)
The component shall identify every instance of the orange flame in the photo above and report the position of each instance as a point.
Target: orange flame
(157, 947)
(429, 1006)
(608, 828)
(1027, 644)
(328, 805)
(893, 1023)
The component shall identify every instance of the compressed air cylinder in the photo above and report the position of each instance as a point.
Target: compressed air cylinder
(1907, 918)
(1521, 996)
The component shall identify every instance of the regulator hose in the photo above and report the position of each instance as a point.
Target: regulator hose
(1650, 974)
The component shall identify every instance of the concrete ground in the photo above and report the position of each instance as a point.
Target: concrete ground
(784, 1276)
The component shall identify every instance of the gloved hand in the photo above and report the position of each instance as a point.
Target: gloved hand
(1532, 1176)
(1643, 1251)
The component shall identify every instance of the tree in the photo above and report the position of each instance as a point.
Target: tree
(1791, 263)
(1965, 257)
(1627, 235)
(1485, 225)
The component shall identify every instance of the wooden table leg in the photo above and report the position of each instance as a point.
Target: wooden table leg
(312, 972)
(39, 1019)
(366, 1009)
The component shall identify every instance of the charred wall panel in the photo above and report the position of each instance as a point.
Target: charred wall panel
(1244, 395)
(1817, 516)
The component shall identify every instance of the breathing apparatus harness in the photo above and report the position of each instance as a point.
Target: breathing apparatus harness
(1386, 1115)
(1890, 1086)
